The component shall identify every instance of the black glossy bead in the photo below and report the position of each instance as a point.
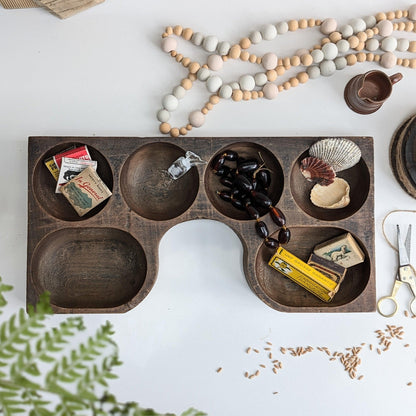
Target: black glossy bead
(261, 199)
(277, 216)
(284, 235)
(218, 162)
(248, 165)
(252, 212)
(271, 242)
(237, 203)
(262, 229)
(264, 177)
(224, 170)
(226, 181)
(230, 154)
(243, 183)
(225, 195)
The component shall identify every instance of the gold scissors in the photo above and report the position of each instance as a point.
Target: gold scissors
(405, 274)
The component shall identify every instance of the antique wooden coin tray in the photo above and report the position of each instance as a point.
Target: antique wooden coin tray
(107, 261)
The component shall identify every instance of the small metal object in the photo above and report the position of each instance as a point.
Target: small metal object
(405, 274)
(181, 165)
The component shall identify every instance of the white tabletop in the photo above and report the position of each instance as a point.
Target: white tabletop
(102, 73)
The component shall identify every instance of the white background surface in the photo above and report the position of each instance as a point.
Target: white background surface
(102, 73)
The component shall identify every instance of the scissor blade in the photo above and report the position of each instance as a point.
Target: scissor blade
(404, 246)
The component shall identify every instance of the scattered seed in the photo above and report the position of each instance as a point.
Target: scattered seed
(257, 373)
(219, 370)
(406, 345)
(269, 343)
(251, 376)
(378, 351)
(246, 374)
(409, 383)
(267, 349)
(371, 347)
(271, 356)
(275, 370)
(332, 359)
(275, 392)
(262, 366)
(248, 350)
(361, 377)
(406, 314)
(283, 350)
(255, 350)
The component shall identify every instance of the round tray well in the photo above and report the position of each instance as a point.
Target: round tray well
(57, 205)
(89, 268)
(247, 151)
(279, 291)
(358, 177)
(149, 190)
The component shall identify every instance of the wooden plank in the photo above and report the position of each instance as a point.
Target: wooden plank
(18, 4)
(67, 8)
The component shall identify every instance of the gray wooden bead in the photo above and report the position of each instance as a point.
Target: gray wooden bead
(234, 85)
(225, 92)
(346, 31)
(330, 51)
(327, 68)
(223, 47)
(317, 56)
(210, 43)
(163, 115)
(313, 72)
(358, 25)
(203, 74)
(197, 38)
(170, 102)
(343, 46)
(247, 82)
(179, 92)
(282, 28)
(260, 79)
(268, 32)
(340, 62)
(214, 82)
(255, 37)
(389, 44)
(402, 44)
(370, 21)
(372, 44)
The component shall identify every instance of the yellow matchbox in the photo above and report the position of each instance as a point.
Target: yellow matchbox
(304, 275)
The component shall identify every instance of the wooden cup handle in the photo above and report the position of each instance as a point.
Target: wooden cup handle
(396, 78)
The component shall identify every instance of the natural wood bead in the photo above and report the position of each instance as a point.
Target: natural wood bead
(293, 25)
(391, 15)
(179, 57)
(237, 95)
(294, 82)
(369, 33)
(164, 128)
(244, 56)
(235, 52)
(398, 14)
(214, 99)
(194, 67)
(183, 131)
(405, 62)
(246, 95)
(252, 58)
(254, 95)
(311, 22)
(376, 58)
(361, 57)
(303, 24)
(258, 60)
(318, 22)
(205, 66)
(192, 77)
(286, 85)
(412, 63)
(302, 77)
(261, 94)
(401, 26)
(405, 13)
(280, 88)
(408, 26)
(286, 63)
(271, 75)
(245, 43)
(351, 59)
(209, 106)
(225, 58)
(399, 61)
(280, 70)
(360, 46)
(279, 62)
(381, 16)
(189, 127)
(353, 41)
(174, 132)
(362, 36)
(306, 59)
(325, 40)
(186, 62)
(164, 35)
(187, 33)
(412, 46)
(177, 30)
(370, 57)
(395, 26)
(295, 60)
(204, 111)
(186, 83)
(173, 53)
(335, 37)
(169, 30)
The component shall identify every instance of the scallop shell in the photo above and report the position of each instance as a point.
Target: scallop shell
(314, 169)
(340, 153)
(336, 195)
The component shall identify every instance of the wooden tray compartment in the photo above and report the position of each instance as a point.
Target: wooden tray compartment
(107, 261)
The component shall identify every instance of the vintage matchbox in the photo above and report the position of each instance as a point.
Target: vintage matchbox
(86, 191)
(76, 153)
(71, 168)
(343, 250)
(330, 269)
(304, 275)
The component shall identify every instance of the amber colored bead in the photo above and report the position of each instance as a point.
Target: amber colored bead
(252, 212)
(284, 235)
(277, 216)
(271, 242)
(261, 199)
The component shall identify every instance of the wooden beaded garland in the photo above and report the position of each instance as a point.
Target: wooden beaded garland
(357, 41)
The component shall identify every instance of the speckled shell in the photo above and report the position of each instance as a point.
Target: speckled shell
(336, 195)
(340, 153)
(316, 170)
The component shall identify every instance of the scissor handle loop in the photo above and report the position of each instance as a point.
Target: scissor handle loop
(396, 306)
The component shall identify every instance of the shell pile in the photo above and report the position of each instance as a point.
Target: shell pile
(336, 195)
(316, 170)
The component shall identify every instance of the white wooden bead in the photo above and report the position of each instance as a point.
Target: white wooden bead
(196, 118)
(330, 51)
(389, 44)
(223, 48)
(260, 79)
(225, 92)
(270, 91)
(343, 46)
(163, 115)
(370, 21)
(247, 82)
(210, 43)
(255, 37)
(402, 44)
(197, 38)
(358, 25)
(340, 62)
(388, 60)
(268, 32)
(313, 72)
(203, 74)
(412, 12)
(179, 92)
(214, 82)
(269, 60)
(234, 85)
(282, 28)
(301, 52)
(169, 44)
(328, 26)
(385, 28)
(372, 44)
(327, 68)
(215, 62)
(170, 102)
(346, 31)
(317, 56)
